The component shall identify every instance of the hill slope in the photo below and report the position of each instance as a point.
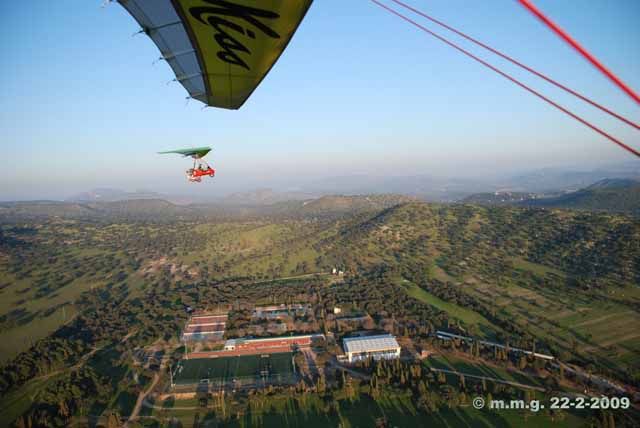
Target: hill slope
(142, 209)
(550, 274)
(615, 195)
(337, 204)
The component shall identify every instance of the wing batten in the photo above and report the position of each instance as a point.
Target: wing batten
(219, 50)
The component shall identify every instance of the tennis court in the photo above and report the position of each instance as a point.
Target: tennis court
(244, 369)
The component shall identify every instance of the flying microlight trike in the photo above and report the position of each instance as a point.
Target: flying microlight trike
(200, 167)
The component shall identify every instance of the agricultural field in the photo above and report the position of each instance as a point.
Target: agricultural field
(574, 322)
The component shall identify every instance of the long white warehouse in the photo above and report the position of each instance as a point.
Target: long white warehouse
(378, 347)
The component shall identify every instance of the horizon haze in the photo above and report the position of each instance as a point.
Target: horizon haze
(84, 107)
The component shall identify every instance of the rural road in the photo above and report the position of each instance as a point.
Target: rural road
(284, 278)
(492, 379)
(143, 395)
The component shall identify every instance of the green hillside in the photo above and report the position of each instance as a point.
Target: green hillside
(614, 195)
(82, 298)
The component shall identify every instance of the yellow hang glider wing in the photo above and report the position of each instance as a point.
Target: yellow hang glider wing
(219, 50)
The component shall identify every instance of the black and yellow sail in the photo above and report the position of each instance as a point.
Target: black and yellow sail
(219, 50)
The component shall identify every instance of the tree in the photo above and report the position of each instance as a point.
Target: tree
(522, 362)
(321, 384)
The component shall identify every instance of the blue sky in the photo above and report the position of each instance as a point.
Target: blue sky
(358, 91)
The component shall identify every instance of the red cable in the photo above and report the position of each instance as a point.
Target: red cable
(571, 41)
(519, 64)
(514, 80)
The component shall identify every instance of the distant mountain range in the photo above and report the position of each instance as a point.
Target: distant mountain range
(112, 195)
(548, 181)
(264, 197)
(562, 179)
(159, 210)
(135, 209)
(454, 188)
(614, 195)
(590, 189)
(421, 186)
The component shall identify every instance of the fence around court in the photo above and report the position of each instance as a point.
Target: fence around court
(245, 371)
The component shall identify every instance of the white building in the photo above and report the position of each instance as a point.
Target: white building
(378, 347)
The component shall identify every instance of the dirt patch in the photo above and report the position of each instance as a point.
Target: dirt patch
(155, 265)
(176, 396)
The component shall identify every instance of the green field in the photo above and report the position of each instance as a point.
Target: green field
(225, 369)
(604, 329)
(469, 317)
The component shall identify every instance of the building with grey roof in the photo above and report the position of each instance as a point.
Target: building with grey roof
(383, 346)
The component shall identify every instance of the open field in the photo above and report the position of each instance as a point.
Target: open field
(465, 315)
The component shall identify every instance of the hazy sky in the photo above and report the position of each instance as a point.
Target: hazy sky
(358, 91)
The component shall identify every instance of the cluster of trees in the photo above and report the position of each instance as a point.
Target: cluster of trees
(596, 248)
(376, 293)
(134, 306)
(580, 256)
(87, 362)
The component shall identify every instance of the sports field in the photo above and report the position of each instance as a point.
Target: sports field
(244, 369)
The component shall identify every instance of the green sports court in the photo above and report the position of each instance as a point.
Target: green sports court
(244, 369)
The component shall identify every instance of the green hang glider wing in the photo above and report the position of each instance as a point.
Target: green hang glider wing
(197, 152)
(219, 50)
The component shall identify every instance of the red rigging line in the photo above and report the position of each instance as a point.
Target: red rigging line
(528, 4)
(519, 64)
(511, 78)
